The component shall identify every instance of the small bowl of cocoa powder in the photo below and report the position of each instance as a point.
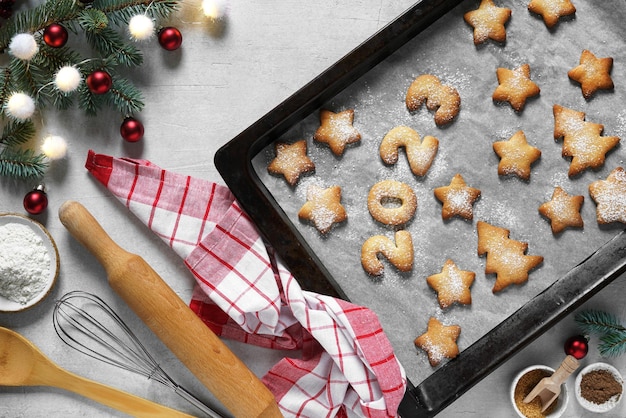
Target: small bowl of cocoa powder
(524, 382)
(599, 387)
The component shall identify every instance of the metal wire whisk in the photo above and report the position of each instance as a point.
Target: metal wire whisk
(87, 324)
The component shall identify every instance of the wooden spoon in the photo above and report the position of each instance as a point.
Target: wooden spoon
(22, 364)
(549, 388)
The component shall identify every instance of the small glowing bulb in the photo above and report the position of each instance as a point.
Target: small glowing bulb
(20, 106)
(54, 147)
(214, 9)
(67, 79)
(141, 27)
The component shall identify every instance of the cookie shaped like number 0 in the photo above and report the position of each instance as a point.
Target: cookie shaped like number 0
(400, 253)
(420, 153)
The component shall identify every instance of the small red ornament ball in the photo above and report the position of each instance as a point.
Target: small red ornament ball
(99, 82)
(170, 38)
(36, 201)
(131, 129)
(55, 35)
(577, 346)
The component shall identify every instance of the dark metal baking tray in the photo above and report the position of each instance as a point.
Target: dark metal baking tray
(447, 383)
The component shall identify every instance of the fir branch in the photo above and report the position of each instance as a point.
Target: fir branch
(88, 101)
(22, 163)
(125, 97)
(17, 133)
(109, 44)
(23, 79)
(5, 82)
(92, 20)
(598, 322)
(613, 344)
(121, 12)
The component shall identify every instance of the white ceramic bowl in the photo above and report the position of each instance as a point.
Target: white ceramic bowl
(591, 406)
(562, 400)
(7, 305)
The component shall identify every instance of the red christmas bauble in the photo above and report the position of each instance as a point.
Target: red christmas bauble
(36, 201)
(170, 38)
(55, 35)
(577, 346)
(99, 82)
(131, 129)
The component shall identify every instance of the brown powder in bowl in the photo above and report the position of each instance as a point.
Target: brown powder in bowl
(525, 384)
(599, 386)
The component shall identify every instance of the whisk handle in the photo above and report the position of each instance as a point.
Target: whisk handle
(176, 325)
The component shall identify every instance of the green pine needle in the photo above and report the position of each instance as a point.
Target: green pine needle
(125, 97)
(22, 164)
(613, 344)
(17, 133)
(598, 322)
(607, 326)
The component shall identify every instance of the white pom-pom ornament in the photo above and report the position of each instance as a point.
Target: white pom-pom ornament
(54, 147)
(20, 106)
(214, 9)
(141, 27)
(67, 79)
(23, 46)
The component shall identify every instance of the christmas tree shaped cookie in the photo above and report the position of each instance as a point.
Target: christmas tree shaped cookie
(506, 258)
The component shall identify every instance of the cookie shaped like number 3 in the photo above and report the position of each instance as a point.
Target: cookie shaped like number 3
(399, 254)
(442, 99)
(419, 153)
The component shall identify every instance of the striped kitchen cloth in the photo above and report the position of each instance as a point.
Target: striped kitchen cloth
(245, 293)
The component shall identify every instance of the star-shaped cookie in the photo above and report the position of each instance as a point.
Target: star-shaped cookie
(563, 210)
(582, 140)
(592, 73)
(610, 197)
(515, 86)
(323, 207)
(457, 198)
(551, 10)
(488, 22)
(336, 130)
(452, 285)
(439, 341)
(291, 161)
(516, 156)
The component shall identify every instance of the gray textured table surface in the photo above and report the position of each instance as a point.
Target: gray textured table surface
(197, 99)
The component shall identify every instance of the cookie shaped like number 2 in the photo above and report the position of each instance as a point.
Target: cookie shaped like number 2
(420, 153)
(399, 254)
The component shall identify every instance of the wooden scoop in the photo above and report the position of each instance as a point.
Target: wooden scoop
(549, 388)
(22, 364)
(178, 327)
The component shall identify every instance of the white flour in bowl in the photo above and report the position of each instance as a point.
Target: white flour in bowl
(24, 263)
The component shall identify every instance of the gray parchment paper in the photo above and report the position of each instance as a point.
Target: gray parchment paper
(404, 302)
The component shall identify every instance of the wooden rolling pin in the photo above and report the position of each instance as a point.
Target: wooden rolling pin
(165, 313)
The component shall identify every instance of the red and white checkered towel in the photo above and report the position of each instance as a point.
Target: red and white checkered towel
(245, 293)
